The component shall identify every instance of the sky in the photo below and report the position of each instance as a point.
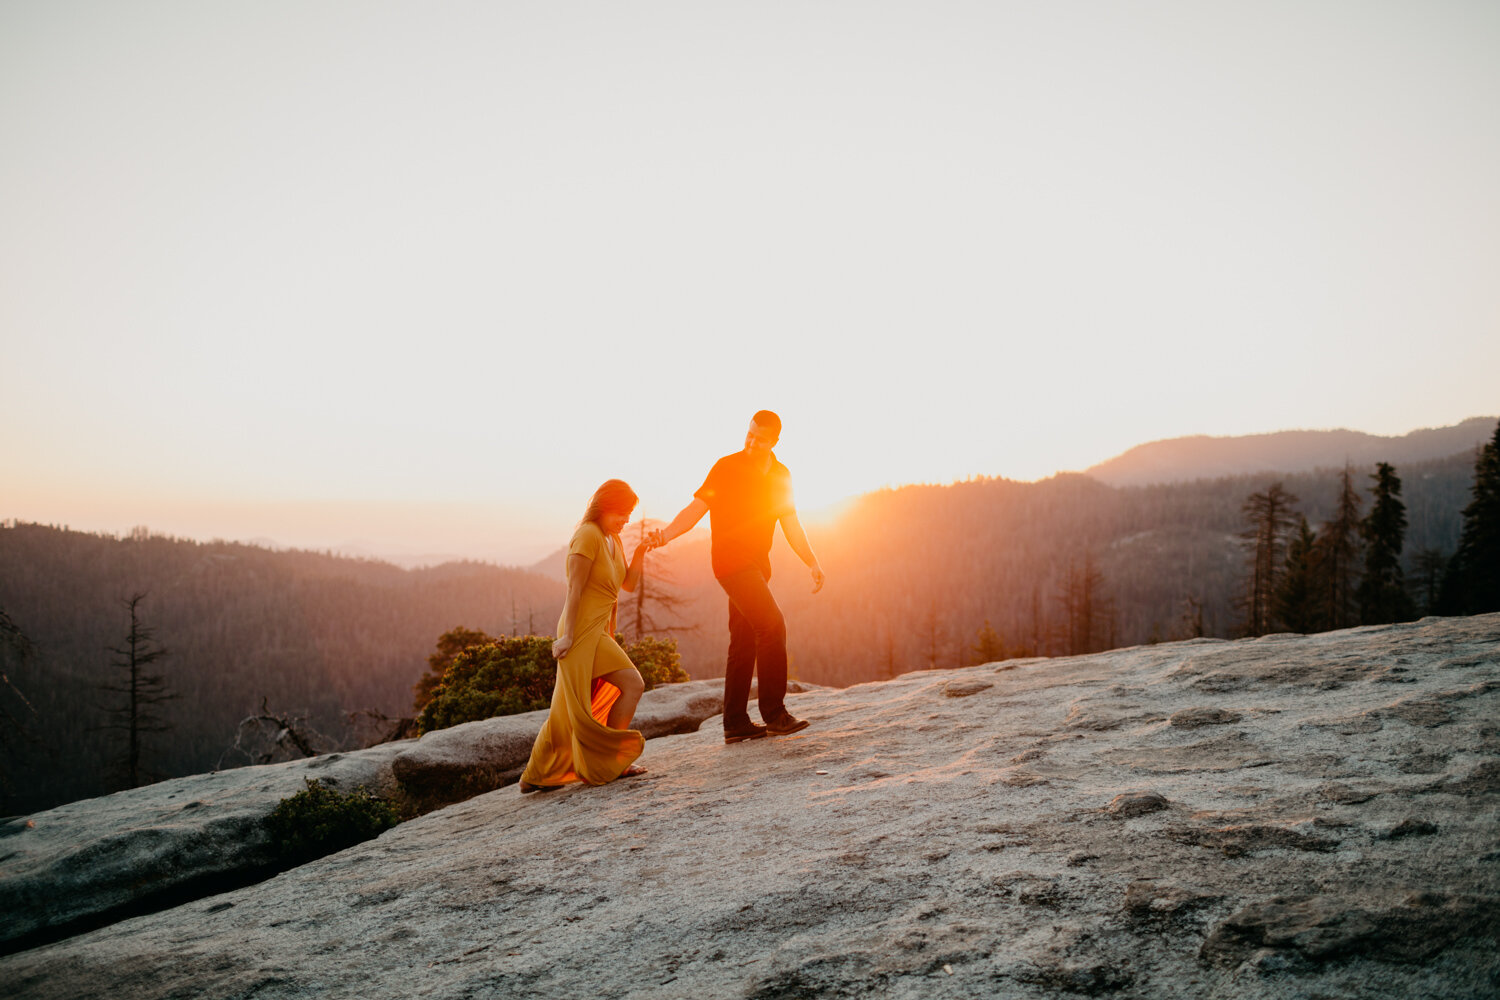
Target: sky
(419, 276)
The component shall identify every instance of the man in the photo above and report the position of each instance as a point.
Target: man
(744, 495)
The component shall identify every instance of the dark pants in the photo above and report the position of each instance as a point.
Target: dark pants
(757, 641)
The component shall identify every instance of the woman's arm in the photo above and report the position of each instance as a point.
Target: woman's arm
(578, 575)
(637, 563)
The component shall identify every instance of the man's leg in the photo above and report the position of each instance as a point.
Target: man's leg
(751, 597)
(739, 666)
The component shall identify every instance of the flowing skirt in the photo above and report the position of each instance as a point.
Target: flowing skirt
(574, 743)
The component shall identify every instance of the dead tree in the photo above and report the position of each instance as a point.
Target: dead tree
(654, 592)
(269, 738)
(369, 727)
(139, 690)
(1269, 518)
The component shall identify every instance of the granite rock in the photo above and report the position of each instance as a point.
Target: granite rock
(914, 844)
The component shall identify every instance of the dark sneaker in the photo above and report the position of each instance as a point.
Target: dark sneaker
(785, 724)
(749, 731)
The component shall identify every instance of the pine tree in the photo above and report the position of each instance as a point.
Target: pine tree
(891, 664)
(1295, 606)
(15, 709)
(1038, 626)
(1086, 613)
(935, 636)
(449, 645)
(1426, 579)
(988, 647)
(1475, 587)
(141, 692)
(1335, 558)
(1192, 618)
(1382, 591)
(1269, 515)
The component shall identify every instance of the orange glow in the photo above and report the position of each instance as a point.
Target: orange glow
(605, 695)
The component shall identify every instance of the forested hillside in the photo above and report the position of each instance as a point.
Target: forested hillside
(310, 633)
(913, 576)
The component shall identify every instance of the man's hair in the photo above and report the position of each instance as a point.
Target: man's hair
(768, 419)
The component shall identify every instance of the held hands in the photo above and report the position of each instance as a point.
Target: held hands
(651, 540)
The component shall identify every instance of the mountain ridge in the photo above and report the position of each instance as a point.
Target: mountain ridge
(1203, 456)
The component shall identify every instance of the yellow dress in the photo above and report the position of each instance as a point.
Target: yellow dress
(575, 744)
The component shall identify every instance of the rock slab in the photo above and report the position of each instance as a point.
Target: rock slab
(915, 844)
(186, 837)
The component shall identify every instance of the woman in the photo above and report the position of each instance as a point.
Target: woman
(585, 736)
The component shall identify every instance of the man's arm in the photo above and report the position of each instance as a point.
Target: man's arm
(683, 522)
(797, 539)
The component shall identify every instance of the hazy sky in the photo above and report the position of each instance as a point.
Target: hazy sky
(426, 273)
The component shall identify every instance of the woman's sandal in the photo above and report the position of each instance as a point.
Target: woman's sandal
(632, 771)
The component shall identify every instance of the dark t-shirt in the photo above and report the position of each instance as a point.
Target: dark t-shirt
(743, 508)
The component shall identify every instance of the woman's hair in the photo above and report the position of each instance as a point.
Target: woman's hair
(614, 497)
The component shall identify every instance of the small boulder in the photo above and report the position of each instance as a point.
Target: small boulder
(464, 760)
(1130, 804)
(1483, 780)
(680, 708)
(1238, 841)
(1344, 795)
(1428, 713)
(460, 761)
(1149, 901)
(1197, 718)
(1411, 828)
(1393, 927)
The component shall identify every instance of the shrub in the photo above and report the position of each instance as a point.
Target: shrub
(318, 821)
(510, 676)
(503, 677)
(657, 660)
(449, 645)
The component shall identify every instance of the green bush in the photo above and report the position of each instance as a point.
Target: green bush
(449, 645)
(503, 677)
(657, 660)
(318, 821)
(510, 676)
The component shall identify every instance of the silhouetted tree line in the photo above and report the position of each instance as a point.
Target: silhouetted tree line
(317, 636)
(1350, 571)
